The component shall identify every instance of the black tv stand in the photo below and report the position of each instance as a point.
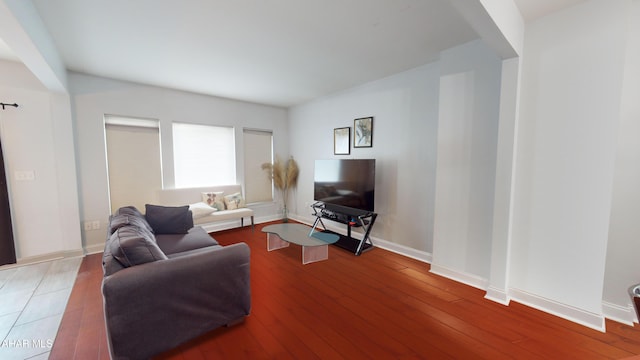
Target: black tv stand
(351, 218)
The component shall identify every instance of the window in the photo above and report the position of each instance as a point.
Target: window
(203, 155)
(130, 143)
(258, 145)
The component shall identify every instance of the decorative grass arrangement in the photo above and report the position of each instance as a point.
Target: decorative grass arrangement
(284, 176)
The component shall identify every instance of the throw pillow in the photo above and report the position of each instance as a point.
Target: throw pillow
(133, 212)
(169, 219)
(234, 201)
(128, 210)
(121, 220)
(214, 199)
(201, 209)
(131, 246)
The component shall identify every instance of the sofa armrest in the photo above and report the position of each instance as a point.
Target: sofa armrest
(156, 306)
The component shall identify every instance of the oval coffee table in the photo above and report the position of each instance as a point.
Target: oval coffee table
(314, 244)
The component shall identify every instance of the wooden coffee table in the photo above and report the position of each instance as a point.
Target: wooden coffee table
(314, 244)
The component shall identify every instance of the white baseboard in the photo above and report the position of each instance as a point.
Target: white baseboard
(622, 314)
(498, 295)
(582, 317)
(45, 257)
(264, 219)
(403, 250)
(94, 249)
(465, 278)
(383, 244)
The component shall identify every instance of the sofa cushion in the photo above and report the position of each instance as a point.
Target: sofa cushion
(131, 245)
(169, 219)
(196, 238)
(224, 215)
(201, 209)
(128, 210)
(118, 221)
(109, 264)
(133, 212)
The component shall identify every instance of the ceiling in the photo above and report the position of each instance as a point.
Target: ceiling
(6, 53)
(276, 52)
(534, 9)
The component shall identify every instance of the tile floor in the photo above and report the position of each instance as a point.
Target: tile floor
(32, 301)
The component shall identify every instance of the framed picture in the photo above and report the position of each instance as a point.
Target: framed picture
(363, 132)
(341, 141)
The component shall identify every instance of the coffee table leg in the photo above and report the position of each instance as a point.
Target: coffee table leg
(314, 253)
(274, 242)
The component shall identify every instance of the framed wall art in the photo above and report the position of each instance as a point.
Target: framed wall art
(341, 141)
(363, 132)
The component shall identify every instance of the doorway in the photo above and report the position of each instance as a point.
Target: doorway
(7, 246)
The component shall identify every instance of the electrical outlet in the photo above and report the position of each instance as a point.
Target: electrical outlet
(95, 225)
(87, 226)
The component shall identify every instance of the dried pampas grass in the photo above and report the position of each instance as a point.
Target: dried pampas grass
(284, 175)
(292, 172)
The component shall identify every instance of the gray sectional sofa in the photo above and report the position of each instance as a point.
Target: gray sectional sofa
(166, 281)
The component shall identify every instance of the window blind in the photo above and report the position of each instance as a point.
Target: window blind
(203, 155)
(258, 145)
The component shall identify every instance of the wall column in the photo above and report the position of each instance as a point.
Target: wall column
(503, 197)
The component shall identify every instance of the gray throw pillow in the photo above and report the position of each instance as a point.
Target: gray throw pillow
(132, 211)
(132, 245)
(128, 210)
(169, 219)
(119, 221)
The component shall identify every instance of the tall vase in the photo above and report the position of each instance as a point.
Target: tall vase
(285, 214)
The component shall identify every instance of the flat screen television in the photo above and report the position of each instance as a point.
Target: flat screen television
(346, 183)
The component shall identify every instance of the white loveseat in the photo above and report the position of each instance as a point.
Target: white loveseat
(193, 196)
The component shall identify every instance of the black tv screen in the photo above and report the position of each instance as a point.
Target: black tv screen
(345, 183)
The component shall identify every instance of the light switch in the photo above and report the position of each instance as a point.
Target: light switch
(25, 175)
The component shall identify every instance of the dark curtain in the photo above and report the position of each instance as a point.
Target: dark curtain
(7, 247)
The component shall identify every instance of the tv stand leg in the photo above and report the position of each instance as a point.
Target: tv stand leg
(367, 232)
(315, 224)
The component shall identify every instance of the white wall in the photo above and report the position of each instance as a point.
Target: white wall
(569, 109)
(623, 247)
(405, 111)
(37, 137)
(504, 189)
(93, 97)
(469, 105)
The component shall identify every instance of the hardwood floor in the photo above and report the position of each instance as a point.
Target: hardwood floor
(379, 305)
